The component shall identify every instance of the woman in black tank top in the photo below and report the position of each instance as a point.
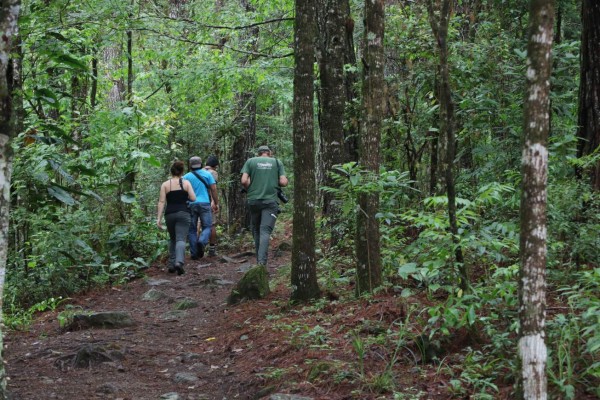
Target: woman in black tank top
(175, 193)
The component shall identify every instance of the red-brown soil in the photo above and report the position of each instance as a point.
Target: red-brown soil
(247, 351)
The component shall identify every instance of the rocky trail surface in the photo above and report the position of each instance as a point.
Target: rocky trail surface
(161, 337)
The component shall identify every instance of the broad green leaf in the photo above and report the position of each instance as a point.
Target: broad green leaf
(68, 60)
(61, 195)
(407, 269)
(471, 315)
(47, 96)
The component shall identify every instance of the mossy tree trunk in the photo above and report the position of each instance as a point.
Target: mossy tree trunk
(368, 269)
(332, 101)
(589, 89)
(532, 283)
(304, 268)
(9, 12)
(439, 25)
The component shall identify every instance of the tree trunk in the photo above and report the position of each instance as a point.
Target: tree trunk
(351, 128)
(243, 143)
(332, 102)
(9, 13)
(433, 162)
(304, 267)
(532, 282)
(129, 69)
(94, 90)
(368, 269)
(439, 26)
(589, 90)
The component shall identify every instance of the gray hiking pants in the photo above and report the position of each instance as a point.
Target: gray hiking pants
(178, 225)
(263, 215)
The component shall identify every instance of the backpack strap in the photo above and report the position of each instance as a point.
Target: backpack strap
(204, 182)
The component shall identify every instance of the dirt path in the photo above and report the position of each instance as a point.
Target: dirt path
(190, 354)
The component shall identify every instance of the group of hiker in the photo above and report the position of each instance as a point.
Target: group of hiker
(190, 204)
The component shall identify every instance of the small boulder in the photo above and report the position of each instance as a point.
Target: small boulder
(186, 304)
(185, 377)
(153, 295)
(253, 285)
(105, 320)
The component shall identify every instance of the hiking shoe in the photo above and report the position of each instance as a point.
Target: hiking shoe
(212, 250)
(171, 269)
(200, 250)
(179, 268)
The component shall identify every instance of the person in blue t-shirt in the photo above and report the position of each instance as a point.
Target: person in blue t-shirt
(206, 203)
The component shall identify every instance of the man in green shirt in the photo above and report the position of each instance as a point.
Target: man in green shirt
(262, 176)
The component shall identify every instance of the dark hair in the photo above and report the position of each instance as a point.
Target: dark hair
(212, 161)
(177, 168)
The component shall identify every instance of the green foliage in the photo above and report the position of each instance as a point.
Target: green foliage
(485, 240)
(574, 337)
(21, 318)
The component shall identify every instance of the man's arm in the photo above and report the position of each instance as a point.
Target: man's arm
(283, 181)
(245, 180)
(214, 197)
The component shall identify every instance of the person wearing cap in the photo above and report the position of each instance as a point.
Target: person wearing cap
(261, 177)
(212, 162)
(175, 193)
(207, 201)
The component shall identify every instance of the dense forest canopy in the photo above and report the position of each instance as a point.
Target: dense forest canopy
(108, 93)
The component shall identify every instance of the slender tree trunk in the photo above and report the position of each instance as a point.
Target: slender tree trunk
(439, 25)
(130, 76)
(532, 283)
(351, 128)
(433, 161)
(588, 132)
(304, 267)
(9, 13)
(129, 68)
(243, 143)
(94, 90)
(368, 269)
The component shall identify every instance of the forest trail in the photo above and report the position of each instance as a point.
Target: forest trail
(193, 353)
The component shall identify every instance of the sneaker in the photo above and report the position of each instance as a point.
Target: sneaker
(212, 250)
(171, 269)
(179, 268)
(200, 250)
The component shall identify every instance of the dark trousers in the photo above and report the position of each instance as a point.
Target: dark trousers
(177, 225)
(263, 215)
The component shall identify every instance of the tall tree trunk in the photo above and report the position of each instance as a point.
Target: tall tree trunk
(368, 269)
(532, 282)
(304, 265)
(243, 143)
(9, 13)
(588, 132)
(332, 102)
(439, 26)
(352, 127)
